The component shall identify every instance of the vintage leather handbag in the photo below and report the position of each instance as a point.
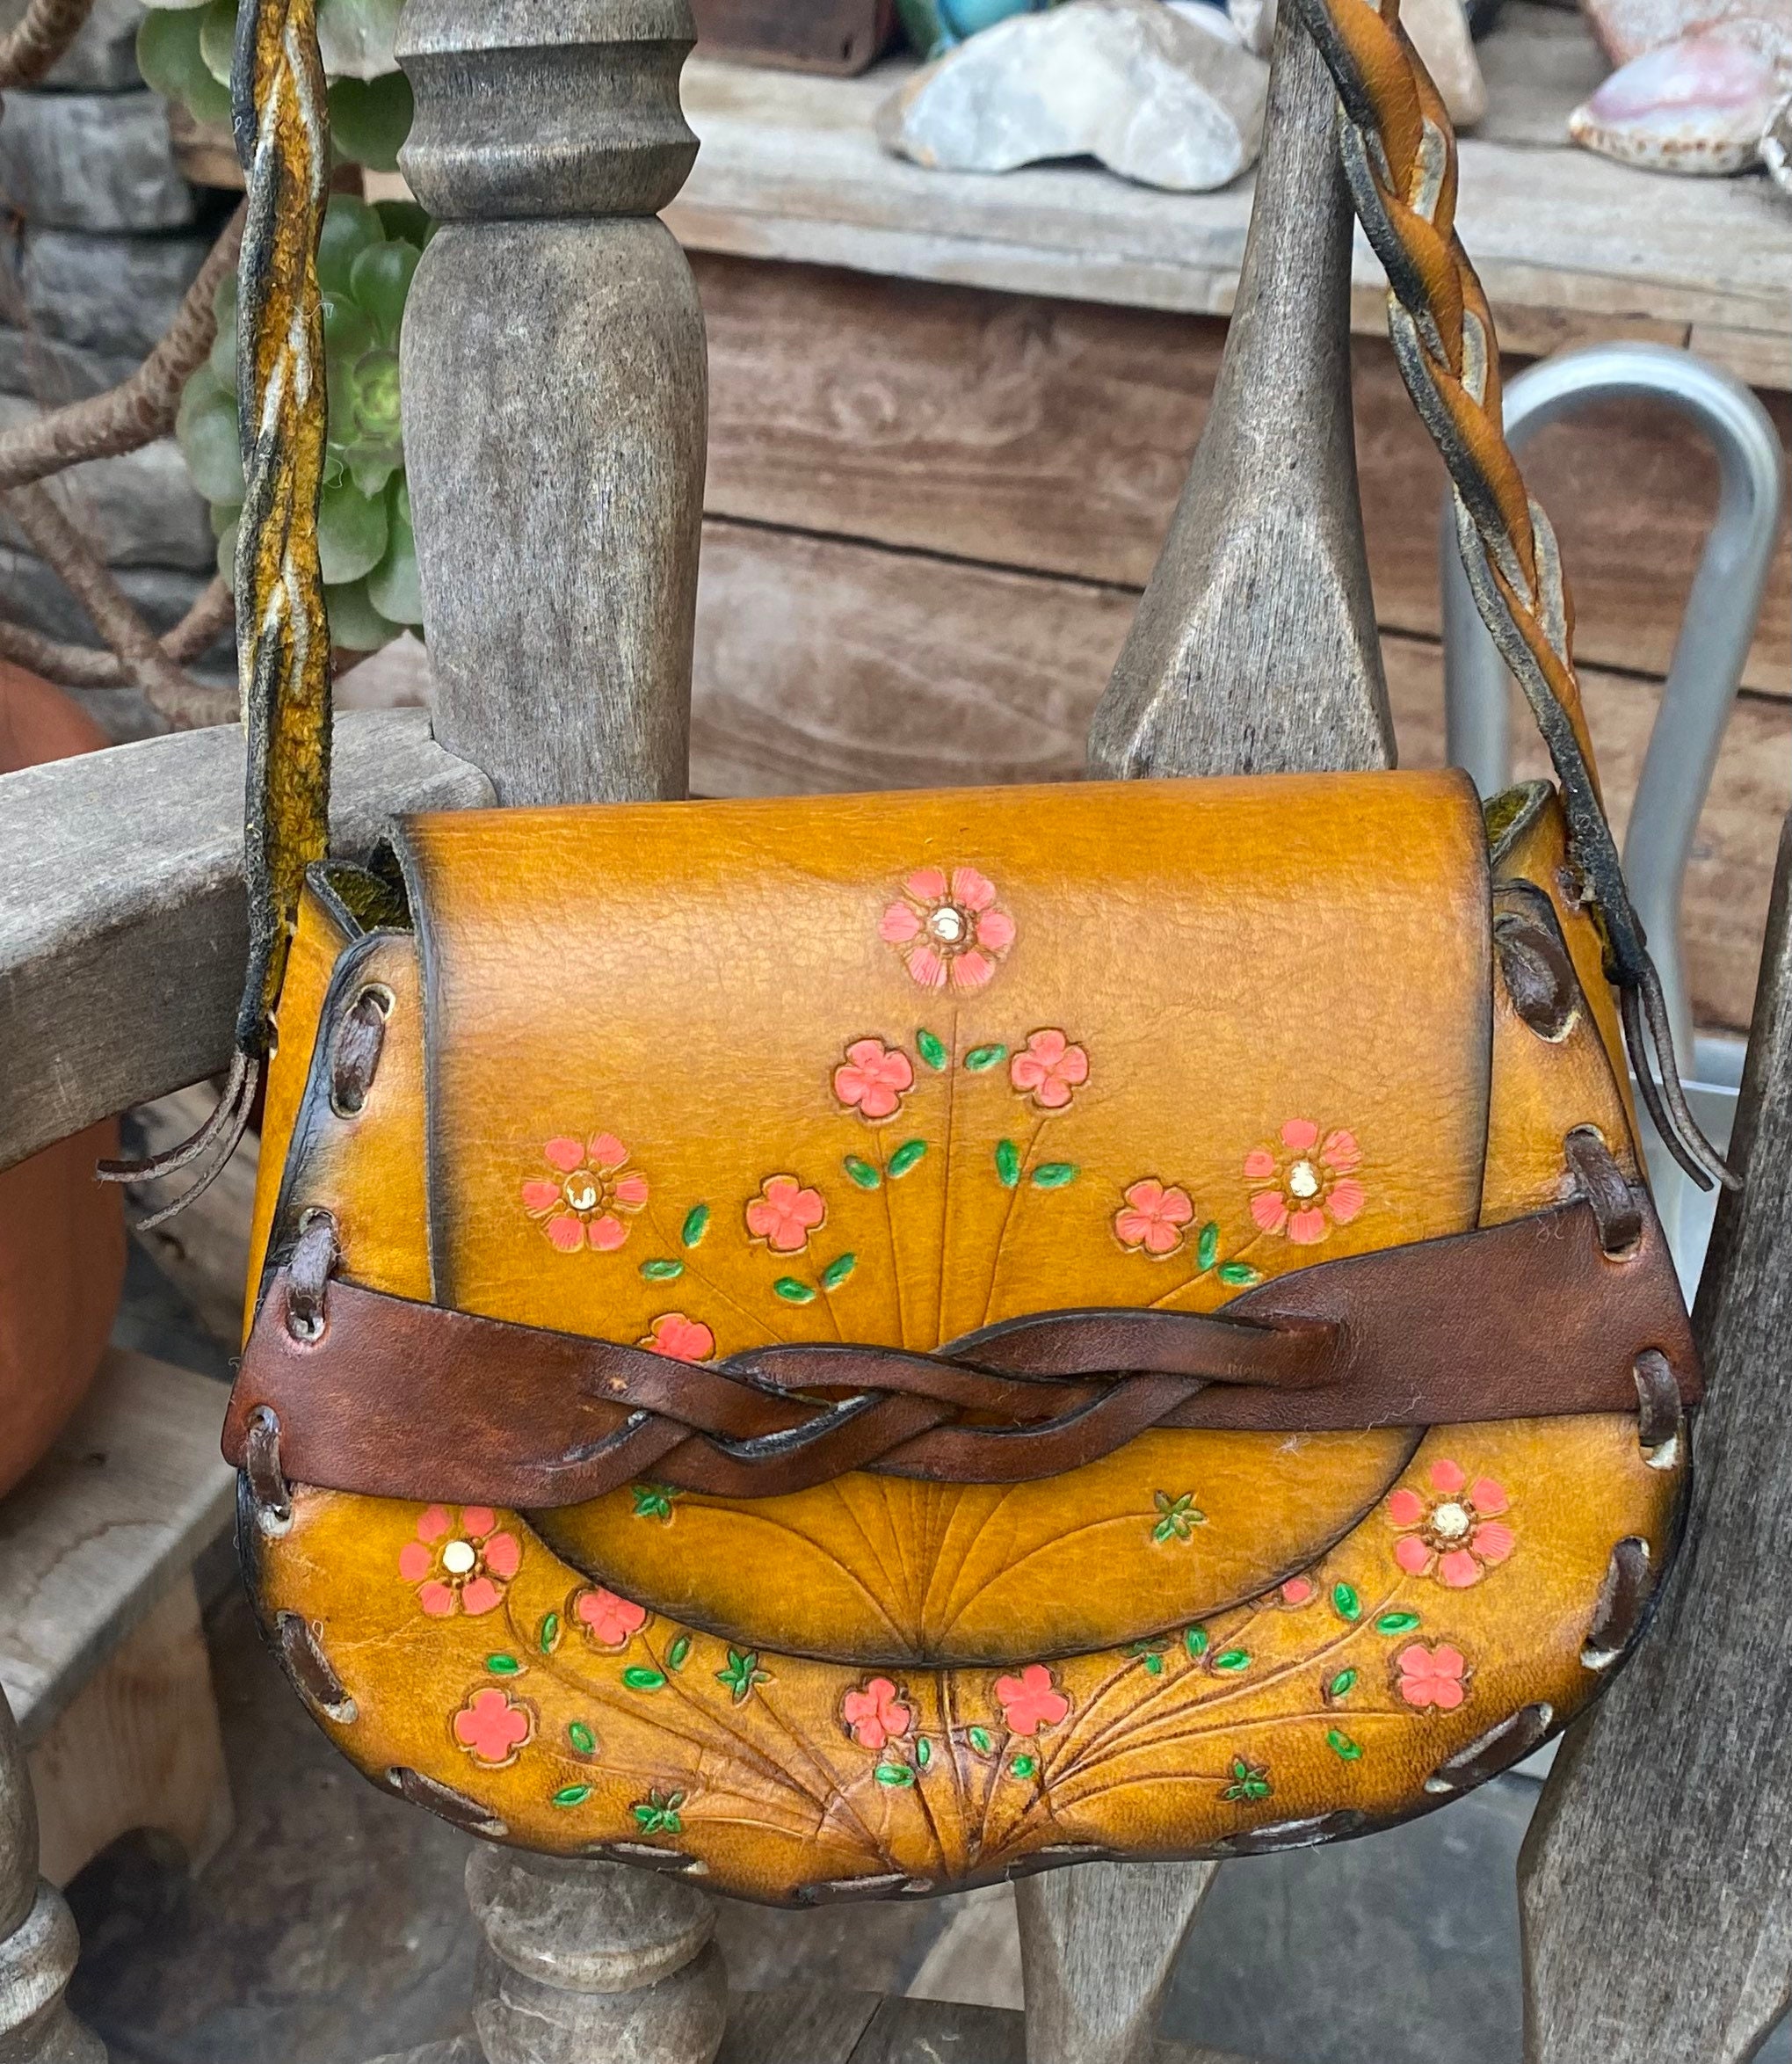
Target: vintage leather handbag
(869, 1344)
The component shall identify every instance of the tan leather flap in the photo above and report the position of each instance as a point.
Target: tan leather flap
(890, 1068)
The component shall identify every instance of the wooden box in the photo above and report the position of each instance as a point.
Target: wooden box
(840, 36)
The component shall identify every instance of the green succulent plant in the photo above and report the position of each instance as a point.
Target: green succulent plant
(183, 51)
(365, 261)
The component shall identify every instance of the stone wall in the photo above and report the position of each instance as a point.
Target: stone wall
(105, 238)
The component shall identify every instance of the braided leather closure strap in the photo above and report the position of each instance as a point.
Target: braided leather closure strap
(379, 1395)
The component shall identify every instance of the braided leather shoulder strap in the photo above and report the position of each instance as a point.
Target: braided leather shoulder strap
(1399, 153)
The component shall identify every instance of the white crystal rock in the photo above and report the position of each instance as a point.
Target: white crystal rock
(1132, 83)
(1776, 145)
(1699, 105)
(1439, 33)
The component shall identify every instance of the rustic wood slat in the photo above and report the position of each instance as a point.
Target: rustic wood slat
(1653, 1888)
(823, 664)
(105, 1527)
(1053, 436)
(138, 1748)
(123, 932)
(1569, 244)
(817, 2024)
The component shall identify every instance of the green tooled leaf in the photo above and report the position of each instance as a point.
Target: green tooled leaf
(930, 1048)
(837, 1271)
(1007, 1163)
(1024, 1766)
(906, 1157)
(894, 1774)
(1055, 1174)
(923, 1753)
(1233, 1658)
(979, 1739)
(581, 1738)
(1240, 1273)
(1344, 1598)
(1397, 1623)
(548, 1633)
(1342, 1745)
(570, 1795)
(1341, 1685)
(662, 1271)
(638, 1677)
(1206, 1249)
(1194, 1640)
(792, 1292)
(503, 1666)
(696, 1225)
(678, 1651)
(862, 1173)
(981, 1059)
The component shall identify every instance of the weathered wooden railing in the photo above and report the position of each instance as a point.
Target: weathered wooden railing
(555, 381)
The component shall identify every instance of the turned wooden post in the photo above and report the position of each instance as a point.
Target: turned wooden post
(1254, 651)
(555, 406)
(38, 1942)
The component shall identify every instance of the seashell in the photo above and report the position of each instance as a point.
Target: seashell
(1695, 106)
(1627, 28)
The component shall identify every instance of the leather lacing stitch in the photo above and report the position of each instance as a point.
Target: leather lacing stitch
(354, 1060)
(1617, 1210)
(1617, 1205)
(314, 1258)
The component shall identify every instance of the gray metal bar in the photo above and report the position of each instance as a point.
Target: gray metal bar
(1716, 631)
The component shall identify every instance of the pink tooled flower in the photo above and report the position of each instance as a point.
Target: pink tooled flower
(684, 1340)
(872, 1078)
(1307, 1188)
(1432, 1676)
(609, 1621)
(1048, 1069)
(1152, 1218)
(1031, 1701)
(459, 1564)
(1453, 1535)
(492, 1726)
(876, 1713)
(589, 1189)
(947, 932)
(784, 1214)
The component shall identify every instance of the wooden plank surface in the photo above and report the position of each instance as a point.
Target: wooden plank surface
(122, 925)
(107, 1523)
(1569, 244)
(1653, 1889)
(826, 664)
(1054, 436)
(802, 2024)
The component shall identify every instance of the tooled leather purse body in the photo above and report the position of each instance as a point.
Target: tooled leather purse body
(869, 1344)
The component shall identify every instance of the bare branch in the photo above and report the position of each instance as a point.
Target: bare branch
(139, 409)
(88, 667)
(167, 690)
(28, 51)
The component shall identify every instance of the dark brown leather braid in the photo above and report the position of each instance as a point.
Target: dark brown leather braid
(1400, 156)
(1440, 1332)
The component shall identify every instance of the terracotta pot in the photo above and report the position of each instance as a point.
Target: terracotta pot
(62, 1233)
